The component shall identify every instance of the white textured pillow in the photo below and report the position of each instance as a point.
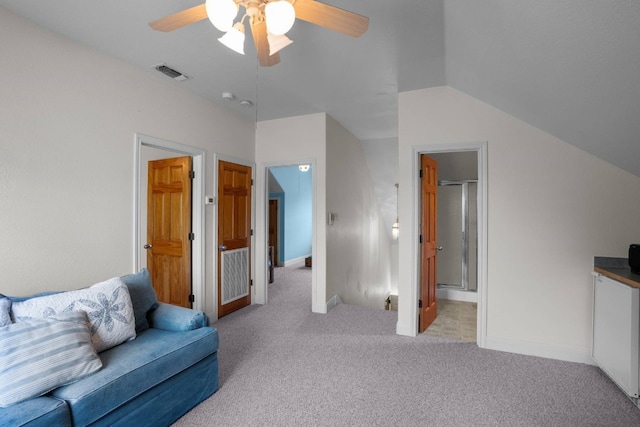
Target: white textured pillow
(39, 355)
(107, 304)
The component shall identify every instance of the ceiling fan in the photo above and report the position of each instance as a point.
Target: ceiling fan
(269, 21)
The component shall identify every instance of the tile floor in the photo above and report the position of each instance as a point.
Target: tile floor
(456, 320)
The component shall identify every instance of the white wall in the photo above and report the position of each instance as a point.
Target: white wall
(551, 209)
(293, 140)
(68, 116)
(358, 243)
(382, 159)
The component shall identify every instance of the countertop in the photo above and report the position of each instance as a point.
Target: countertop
(616, 269)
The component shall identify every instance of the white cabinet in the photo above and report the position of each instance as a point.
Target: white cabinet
(616, 332)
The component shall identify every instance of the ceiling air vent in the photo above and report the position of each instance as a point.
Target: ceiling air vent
(168, 71)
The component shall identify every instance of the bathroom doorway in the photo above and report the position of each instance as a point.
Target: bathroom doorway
(457, 226)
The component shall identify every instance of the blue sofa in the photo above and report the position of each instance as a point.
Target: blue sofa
(169, 368)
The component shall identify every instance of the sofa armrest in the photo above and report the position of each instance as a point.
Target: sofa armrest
(173, 318)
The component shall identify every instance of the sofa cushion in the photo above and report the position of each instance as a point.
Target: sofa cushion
(5, 311)
(133, 368)
(38, 412)
(143, 296)
(39, 355)
(107, 304)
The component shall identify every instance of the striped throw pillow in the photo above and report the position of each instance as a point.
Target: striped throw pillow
(39, 355)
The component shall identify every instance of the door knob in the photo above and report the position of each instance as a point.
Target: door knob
(147, 246)
(222, 247)
(439, 248)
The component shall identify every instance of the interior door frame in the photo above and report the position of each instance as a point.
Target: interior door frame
(197, 208)
(481, 149)
(217, 157)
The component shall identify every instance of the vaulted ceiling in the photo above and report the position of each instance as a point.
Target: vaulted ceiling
(568, 67)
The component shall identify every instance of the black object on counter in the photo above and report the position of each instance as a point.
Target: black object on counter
(634, 258)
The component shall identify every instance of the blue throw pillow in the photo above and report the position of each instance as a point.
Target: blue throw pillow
(38, 295)
(143, 297)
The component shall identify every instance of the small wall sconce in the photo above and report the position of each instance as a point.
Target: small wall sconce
(395, 228)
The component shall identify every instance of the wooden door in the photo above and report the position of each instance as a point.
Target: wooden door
(273, 228)
(428, 221)
(234, 237)
(169, 229)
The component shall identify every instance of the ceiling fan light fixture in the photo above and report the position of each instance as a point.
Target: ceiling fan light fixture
(221, 13)
(280, 16)
(277, 43)
(234, 38)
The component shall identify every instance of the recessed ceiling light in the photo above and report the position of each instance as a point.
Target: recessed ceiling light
(228, 96)
(246, 103)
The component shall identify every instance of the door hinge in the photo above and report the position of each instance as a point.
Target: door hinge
(419, 303)
(251, 181)
(250, 282)
(192, 236)
(252, 231)
(420, 174)
(420, 239)
(192, 174)
(192, 298)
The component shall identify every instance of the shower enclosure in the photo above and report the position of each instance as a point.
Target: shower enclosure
(456, 266)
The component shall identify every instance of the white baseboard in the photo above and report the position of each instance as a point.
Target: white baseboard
(319, 308)
(335, 300)
(405, 330)
(457, 295)
(296, 262)
(558, 352)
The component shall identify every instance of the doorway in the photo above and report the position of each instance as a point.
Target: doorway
(291, 226)
(474, 154)
(150, 148)
(457, 225)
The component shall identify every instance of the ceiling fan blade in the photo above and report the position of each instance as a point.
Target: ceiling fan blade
(259, 32)
(180, 19)
(331, 17)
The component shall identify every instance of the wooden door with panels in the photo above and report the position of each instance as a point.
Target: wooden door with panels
(274, 230)
(169, 233)
(428, 241)
(234, 236)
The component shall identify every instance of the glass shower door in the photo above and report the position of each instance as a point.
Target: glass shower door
(449, 259)
(456, 262)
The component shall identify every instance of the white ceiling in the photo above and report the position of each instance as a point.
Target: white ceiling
(354, 80)
(568, 67)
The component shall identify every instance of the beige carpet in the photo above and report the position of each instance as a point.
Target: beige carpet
(281, 365)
